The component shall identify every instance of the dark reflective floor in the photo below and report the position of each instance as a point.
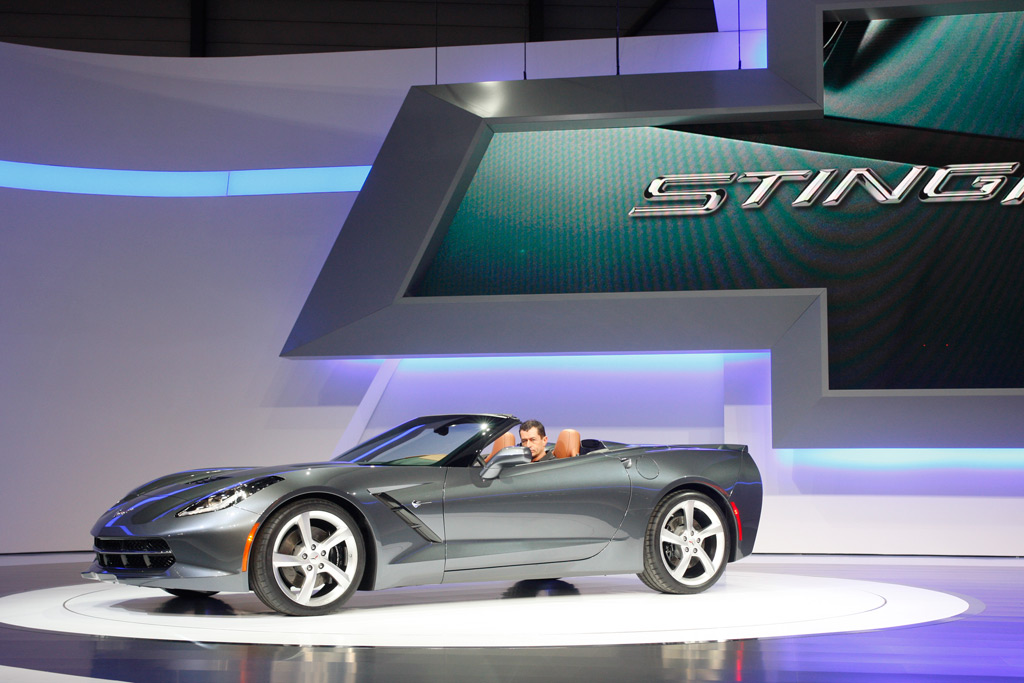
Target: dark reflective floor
(985, 644)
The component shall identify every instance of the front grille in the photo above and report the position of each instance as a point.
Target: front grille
(131, 545)
(133, 554)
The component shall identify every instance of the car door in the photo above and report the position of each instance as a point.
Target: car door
(548, 511)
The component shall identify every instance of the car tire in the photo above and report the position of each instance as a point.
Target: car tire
(686, 545)
(189, 594)
(308, 559)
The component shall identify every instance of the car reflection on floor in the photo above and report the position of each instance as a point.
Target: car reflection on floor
(202, 605)
(538, 587)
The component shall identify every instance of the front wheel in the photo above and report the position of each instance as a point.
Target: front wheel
(686, 546)
(308, 559)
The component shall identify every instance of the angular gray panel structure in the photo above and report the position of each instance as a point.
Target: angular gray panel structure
(428, 160)
(358, 307)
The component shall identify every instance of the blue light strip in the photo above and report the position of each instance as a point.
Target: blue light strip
(902, 459)
(124, 183)
(583, 363)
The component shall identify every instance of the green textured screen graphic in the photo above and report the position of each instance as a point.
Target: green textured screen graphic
(548, 212)
(959, 73)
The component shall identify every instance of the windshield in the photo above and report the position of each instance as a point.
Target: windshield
(419, 442)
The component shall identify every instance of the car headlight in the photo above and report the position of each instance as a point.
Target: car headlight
(228, 497)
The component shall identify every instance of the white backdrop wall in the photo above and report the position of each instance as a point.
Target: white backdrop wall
(141, 336)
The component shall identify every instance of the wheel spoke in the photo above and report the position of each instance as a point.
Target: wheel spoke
(671, 537)
(707, 532)
(282, 560)
(688, 514)
(705, 560)
(342, 535)
(306, 592)
(338, 575)
(305, 530)
(679, 571)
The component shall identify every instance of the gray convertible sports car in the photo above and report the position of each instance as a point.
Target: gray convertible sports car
(439, 499)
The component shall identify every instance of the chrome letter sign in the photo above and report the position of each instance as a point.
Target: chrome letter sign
(986, 185)
(663, 188)
(700, 194)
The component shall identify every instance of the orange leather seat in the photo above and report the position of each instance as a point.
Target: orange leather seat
(503, 441)
(568, 444)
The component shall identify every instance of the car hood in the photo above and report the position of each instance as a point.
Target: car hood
(156, 498)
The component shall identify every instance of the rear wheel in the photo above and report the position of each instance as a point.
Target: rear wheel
(308, 559)
(686, 546)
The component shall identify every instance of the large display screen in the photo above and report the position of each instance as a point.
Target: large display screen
(916, 230)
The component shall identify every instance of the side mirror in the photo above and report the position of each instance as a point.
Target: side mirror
(506, 457)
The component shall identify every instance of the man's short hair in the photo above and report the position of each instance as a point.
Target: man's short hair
(533, 424)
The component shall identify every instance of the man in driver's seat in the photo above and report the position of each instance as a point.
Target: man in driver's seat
(533, 436)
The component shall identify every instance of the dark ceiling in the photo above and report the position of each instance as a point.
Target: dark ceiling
(229, 28)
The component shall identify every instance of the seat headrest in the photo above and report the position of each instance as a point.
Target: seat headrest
(505, 440)
(568, 444)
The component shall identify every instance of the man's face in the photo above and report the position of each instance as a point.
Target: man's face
(534, 441)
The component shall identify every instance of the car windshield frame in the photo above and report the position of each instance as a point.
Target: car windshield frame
(433, 441)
